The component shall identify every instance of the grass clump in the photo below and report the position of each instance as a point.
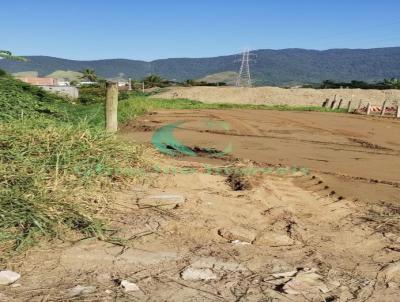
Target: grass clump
(47, 176)
(55, 168)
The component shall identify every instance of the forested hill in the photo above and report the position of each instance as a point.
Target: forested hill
(270, 67)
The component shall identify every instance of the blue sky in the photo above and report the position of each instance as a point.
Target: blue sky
(148, 30)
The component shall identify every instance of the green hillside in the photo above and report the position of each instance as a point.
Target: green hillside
(26, 74)
(271, 67)
(229, 77)
(66, 74)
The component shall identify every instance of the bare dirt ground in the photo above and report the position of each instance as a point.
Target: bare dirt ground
(276, 95)
(358, 156)
(329, 235)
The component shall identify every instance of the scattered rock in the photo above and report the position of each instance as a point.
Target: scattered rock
(197, 274)
(275, 239)
(8, 277)
(80, 290)
(129, 286)
(165, 201)
(218, 266)
(238, 242)
(210, 268)
(305, 281)
(392, 285)
(237, 234)
(392, 272)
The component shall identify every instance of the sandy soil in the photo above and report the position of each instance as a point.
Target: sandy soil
(331, 234)
(278, 240)
(275, 95)
(357, 156)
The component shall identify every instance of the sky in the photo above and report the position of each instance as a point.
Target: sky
(148, 30)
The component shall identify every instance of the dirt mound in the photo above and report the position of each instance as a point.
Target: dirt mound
(275, 95)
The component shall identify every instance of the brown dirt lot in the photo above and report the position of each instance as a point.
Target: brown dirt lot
(275, 95)
(357, 156)
(329, 235)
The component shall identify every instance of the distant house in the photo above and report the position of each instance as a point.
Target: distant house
(37, 81)
(53, 85)
(63, 82)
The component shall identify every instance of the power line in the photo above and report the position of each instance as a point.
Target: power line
(244, 77)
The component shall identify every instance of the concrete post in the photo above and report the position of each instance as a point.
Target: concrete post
(368, 108)
(112, 107)
(398, 111)
(359, 105)
(383, 108)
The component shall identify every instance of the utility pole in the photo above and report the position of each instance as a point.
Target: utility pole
(244, 77)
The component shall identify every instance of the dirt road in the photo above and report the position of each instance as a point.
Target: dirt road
(358, 157)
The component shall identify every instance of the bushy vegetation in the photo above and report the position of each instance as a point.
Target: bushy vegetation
(27, 100)
(95, 93)
(386, 84)
(54, 164)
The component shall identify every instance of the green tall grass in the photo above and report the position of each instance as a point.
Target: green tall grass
(55, 160)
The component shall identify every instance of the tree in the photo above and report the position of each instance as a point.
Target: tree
(153, 81)
(89, 74)
(5, 54)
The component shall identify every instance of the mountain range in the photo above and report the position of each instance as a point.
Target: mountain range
(285, 67)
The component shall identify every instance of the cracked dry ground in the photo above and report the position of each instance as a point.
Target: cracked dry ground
(282, 239)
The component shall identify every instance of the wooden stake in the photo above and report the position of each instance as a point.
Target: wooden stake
(398, 111)
(340, 103)
(112, 107)
(368, 108)
(325, 103)
(333, 104)
(383, 108)
(349, 107)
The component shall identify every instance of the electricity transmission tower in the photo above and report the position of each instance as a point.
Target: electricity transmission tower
(244, 77)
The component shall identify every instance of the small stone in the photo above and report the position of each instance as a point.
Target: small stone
(107, 291)
(196, 274)
(237, 234)
(305, 282)
(392, 285)
(392, 272)
(129, 286)
(239, 242)
(275, 239)
(15, 285)
(80, 290)
(8, 277)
